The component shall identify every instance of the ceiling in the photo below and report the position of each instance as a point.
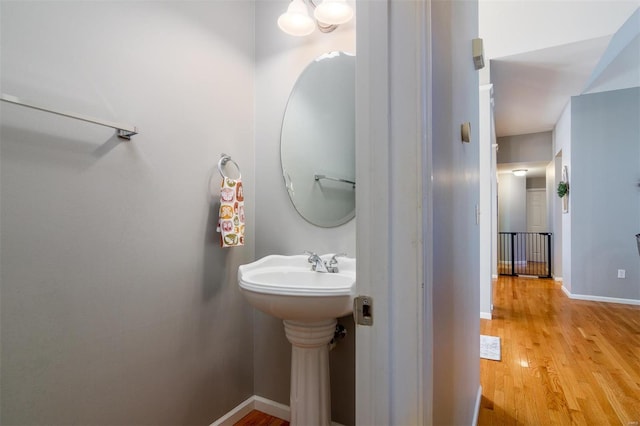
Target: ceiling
(531, 89)
(542, 53)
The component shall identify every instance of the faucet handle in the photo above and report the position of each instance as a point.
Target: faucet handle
(334, 260)
(332, 265)
(311, 255)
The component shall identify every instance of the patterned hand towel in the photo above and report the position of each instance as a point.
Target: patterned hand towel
(231, 217)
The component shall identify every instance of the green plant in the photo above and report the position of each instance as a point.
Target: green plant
(563, 189)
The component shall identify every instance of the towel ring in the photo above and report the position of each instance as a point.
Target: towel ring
(224, 159)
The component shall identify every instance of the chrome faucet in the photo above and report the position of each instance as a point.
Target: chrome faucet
(317, 264)
(332, 266)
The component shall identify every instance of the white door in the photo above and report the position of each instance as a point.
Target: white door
(536, 222)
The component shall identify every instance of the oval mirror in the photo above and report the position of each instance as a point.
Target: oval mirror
(317, 145)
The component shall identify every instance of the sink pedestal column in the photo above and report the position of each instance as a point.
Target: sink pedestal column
(310, 392)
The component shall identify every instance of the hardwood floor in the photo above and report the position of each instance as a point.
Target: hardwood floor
(563, 362)
(258, 418)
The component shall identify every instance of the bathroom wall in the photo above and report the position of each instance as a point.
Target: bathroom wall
(280, 59)
(118, 306)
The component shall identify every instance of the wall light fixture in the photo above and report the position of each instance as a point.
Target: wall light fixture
(519, 172)
(328, 15)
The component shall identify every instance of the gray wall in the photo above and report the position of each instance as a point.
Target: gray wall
(118, 306)
(512, 203)
(527, 148)
(605, 199)
(512, 213)
(456, 237)
(536, 183)
(280, 59)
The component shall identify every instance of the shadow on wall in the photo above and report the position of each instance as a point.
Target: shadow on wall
(68, 152)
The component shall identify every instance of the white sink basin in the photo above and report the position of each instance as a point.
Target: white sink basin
(287, 288)
(308, 302)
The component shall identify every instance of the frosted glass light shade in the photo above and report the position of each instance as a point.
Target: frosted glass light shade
(519, 172)
(333, 12)
(296, 20)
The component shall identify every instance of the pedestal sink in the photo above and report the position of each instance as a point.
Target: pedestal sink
(308, 302)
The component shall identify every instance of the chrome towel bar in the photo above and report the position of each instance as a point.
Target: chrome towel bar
(317, 177)
(124, 131)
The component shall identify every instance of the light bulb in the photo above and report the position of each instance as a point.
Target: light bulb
(333, 12)
(296, 20)
(519, 172)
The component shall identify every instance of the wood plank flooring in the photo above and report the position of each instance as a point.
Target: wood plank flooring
(258, 418)
(564, 361)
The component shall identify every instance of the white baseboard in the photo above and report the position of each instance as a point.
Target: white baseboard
(557, 278)
(259, 403)
(237, 413)
(272, 408)
(600, 298)
(494, 276)
(485, 315)
(476, 414)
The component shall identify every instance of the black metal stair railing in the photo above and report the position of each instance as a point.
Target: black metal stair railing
(524, 253)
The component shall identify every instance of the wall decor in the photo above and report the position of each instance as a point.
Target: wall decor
(563, 189)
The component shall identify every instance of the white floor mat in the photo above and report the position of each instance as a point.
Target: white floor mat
(490, 347)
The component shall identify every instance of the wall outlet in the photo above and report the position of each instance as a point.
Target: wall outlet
(622, 273)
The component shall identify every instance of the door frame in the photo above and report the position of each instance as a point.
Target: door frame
(393, 230)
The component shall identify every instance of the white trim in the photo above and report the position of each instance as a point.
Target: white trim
(557, 278)
(485, 315)
(272, 408)
(372, 209)
(494, 276)
(600, 298)
(484, 212)
(259, 403)
(476, 414)
(393, 376)
(237, 413)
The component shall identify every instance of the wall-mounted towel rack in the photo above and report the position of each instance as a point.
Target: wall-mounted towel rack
(224, 159)
(124, 131)
(317, 177)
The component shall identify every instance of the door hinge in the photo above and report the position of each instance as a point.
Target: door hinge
(363, 310)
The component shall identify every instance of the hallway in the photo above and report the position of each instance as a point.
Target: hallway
(563, 361)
